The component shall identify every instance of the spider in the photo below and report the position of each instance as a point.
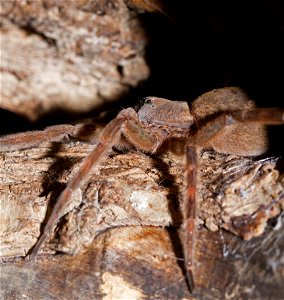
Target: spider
(225, 120)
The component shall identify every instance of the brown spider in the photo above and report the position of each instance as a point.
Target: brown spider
(224, 119)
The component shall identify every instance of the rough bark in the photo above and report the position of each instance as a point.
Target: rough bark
(122, 228)
(70, 56)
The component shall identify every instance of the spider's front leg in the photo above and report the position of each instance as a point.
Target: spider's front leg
(30, 139)
(126, 123)
(87, 131)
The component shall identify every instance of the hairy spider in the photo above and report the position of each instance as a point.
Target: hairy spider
(224, 120)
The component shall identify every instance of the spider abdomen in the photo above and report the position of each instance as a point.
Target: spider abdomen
(240, 139)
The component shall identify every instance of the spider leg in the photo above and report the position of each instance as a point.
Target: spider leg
(30, 139)
(125, 122)
(190, 197)
(265, 116)
(204, 134)
(190, 212)
(108, 139)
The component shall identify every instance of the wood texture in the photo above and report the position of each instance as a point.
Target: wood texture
(120, 237)
(70, 56)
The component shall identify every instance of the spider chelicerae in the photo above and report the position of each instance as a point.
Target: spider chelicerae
(225, 120)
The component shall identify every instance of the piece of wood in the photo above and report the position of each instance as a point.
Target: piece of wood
(120, 235)
(68, 56)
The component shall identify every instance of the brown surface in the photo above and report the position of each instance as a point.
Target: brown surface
(70, 56)
(130, 261)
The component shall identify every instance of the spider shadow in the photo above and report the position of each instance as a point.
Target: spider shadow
(51, 186)
(175, 210)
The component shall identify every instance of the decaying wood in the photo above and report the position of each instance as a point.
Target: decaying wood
(122, 227)
(68, 55)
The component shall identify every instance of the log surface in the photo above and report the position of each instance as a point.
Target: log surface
(120, 238)
(68, 56)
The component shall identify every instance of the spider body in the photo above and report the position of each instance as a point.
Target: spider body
(156, 121)
(224, 119)
(159, 113)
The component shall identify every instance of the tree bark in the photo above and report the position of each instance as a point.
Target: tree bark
(68, 56)
(120, 238)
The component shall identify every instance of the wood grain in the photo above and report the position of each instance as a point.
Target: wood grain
(120, 238)
(68, 56)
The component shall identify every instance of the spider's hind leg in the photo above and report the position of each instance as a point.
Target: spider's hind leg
(190, 212)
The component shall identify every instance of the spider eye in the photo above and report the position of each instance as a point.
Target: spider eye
(148, 101)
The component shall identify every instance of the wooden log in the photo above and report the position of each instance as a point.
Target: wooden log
(120, 237)
(68, 56)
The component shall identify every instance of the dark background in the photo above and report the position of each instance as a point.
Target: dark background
(204, 45)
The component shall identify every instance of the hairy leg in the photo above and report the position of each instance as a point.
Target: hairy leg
(265, 116)
(108, 139)
(190, 212)
(202, 137)
(125, 120)
(30, 139)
